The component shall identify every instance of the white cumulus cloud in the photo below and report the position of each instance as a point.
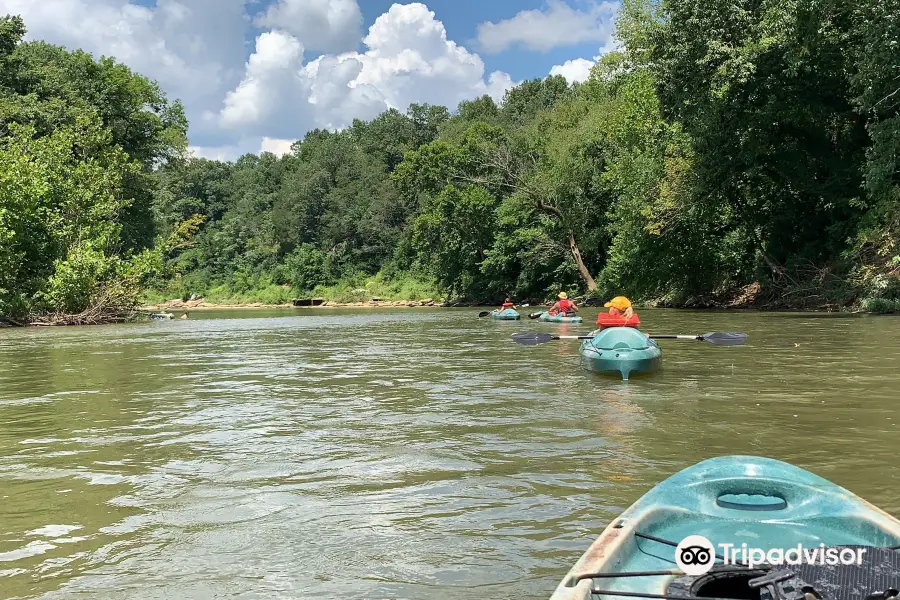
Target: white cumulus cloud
(323, 25)
(276, 146)
(247, 145)
(251, 95)
(264, 88)
(575, 71)
(408, 60)
(224, 153)
(557, 24)
(193, 48)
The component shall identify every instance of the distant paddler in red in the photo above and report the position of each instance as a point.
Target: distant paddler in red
(563, 306)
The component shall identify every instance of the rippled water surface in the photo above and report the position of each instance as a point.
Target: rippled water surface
(394, 454)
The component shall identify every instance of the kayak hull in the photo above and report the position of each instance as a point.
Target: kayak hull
(548, 318)
(621, 350)
(765, 503)
(505, 315)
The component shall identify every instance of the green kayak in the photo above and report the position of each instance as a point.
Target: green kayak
(713, 528)
(622, 350)
(548, 318)
(505, 315)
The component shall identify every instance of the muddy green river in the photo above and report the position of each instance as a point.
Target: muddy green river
(411, 454)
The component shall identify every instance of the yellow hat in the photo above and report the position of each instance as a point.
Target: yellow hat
(619, 302)
(563, 295)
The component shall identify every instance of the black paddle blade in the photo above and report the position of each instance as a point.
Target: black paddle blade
(484, 313)
(535, 315)
(725, 338)
(533, 339)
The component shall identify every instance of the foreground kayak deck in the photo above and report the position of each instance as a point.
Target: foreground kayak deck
(505, 315)
(762, 502)
(548, 318)
(621, 350)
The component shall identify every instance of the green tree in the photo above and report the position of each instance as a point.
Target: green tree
(453, 233)
(762, 90)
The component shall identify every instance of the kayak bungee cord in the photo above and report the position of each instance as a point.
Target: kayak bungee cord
(667, 542)
(736, 569)
(595, 592)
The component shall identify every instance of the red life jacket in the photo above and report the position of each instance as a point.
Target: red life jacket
(565, 305)
(608, 320)
(507, 305)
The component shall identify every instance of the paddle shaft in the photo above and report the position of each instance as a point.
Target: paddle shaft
(652, 337)
(717, 338)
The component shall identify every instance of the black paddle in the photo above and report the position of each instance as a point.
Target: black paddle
(536, 315)
(717, 338)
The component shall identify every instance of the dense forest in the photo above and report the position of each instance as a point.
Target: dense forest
(730, 152)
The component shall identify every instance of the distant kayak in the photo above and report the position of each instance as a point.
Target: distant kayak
(547, 317)
(505, 315)
(763, 503)
(161, 316)
(622, 350)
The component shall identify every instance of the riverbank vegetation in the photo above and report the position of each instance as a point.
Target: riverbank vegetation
(79, 143)
(729, 153)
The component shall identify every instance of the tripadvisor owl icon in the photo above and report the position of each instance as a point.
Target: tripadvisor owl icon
(695, 555)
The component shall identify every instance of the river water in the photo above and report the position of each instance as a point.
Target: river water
(394, 454)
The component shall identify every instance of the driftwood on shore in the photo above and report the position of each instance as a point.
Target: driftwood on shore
(58, 319)
(106, 307)
(87, 317)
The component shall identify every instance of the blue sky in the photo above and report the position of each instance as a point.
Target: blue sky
(257, 74)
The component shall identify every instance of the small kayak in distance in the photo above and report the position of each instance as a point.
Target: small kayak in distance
(623, 350)
(548, 318)
(161, 316)
(505, 315)
(735, 500)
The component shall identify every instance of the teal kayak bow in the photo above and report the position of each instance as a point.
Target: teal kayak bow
(717, 529)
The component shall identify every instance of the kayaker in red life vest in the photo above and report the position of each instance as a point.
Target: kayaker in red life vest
(564, 306)
(621, 314)
(507, 304)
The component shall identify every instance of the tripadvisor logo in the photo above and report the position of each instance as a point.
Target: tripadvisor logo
(695, 555)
